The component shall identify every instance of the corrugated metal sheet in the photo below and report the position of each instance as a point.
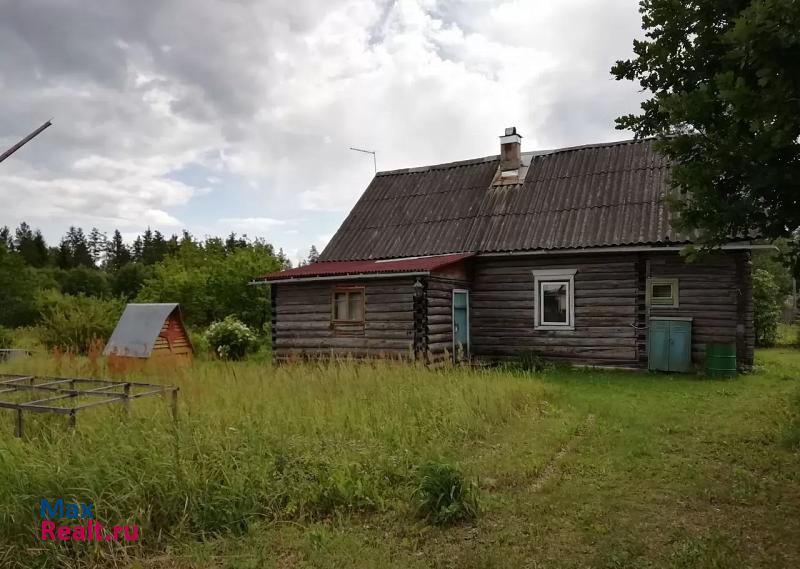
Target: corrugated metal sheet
(591, 196)
(138, 328)
(342, 268)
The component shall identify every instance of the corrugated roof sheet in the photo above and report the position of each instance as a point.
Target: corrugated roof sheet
(590, 196)
(343, 268)
(138, 329)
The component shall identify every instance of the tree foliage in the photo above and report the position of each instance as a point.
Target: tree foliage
(724, 79)
(211, 282)
(117, 253)
(83, 280)
(30, 245)
(74, 323)
(766, 308)
(209, 278)
(18, 287)
(780, 263)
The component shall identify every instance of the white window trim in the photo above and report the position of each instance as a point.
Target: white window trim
(554, 275)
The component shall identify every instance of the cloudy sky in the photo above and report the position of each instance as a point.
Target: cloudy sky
(237, 115)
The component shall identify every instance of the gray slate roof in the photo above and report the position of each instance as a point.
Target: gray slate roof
(138, 328)
(589, 196)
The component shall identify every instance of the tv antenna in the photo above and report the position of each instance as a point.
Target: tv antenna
(24, 141)
(374, 156)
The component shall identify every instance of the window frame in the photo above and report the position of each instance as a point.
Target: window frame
(559, 276)
(348, 290)
(663, 302)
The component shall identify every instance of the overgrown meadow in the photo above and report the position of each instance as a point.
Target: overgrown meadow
(253, 443)
(392, 465)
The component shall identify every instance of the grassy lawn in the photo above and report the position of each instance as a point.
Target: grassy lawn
(311, 466)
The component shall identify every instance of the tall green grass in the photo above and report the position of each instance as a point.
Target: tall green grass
(253, 442)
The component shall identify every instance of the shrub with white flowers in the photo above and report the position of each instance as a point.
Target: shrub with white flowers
(231, 339)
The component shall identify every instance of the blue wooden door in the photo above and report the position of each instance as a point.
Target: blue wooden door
(460, 324)
(669, 346)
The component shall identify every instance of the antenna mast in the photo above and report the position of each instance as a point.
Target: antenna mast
(374, 156)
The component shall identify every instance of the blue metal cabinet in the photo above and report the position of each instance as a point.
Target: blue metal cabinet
(669, 345)
(658, 345)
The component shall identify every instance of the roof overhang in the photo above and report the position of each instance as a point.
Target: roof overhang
(623, 249)
(355, 276)
(280, 278)
(365, 269)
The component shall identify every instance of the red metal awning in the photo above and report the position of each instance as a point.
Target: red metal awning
(421, 265)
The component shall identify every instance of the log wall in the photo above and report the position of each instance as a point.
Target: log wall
(611, 315)
(717, 293)
(302, 320)
(440, 315)
(502, 304)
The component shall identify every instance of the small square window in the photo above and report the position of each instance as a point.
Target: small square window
(662, 292)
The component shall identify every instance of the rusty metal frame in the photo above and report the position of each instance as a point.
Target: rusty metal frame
(111, 392)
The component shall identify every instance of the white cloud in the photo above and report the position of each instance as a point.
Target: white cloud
(254, 225)
(274, 94)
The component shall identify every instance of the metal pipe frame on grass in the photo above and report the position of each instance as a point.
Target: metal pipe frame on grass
(15, 385)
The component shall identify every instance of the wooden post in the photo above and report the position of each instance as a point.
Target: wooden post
(742, 359)
(175, 405)
(420, 340)
(20, 430)
(642, 320)
(273, 322)
(72, 419)
(127, 403)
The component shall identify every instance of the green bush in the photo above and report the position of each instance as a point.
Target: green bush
(231, 339)
(202, 348)
(443, 495)
(74, 323)
(766, 308)
(6, 338)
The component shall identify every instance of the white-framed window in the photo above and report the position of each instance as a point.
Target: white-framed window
(554, 307)
(662, 292)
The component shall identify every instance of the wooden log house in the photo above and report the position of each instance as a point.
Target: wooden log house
(568, 253)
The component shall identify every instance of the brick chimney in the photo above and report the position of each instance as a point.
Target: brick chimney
(510, 150)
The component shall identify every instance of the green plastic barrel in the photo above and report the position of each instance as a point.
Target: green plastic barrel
(721, 360)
